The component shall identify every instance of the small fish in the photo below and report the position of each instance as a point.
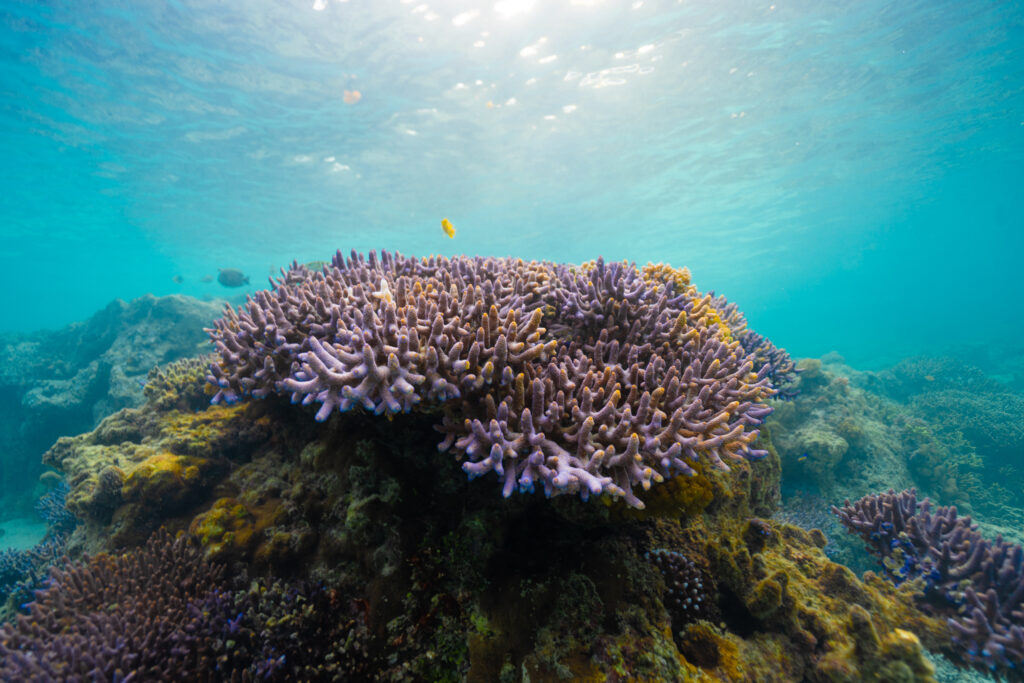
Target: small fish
(929, 378)
(448, 228)
(802, 457)
(351, 96)
(178, 279)
(231, 277)
(206, 278)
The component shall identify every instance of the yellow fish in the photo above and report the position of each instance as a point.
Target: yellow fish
(448, 228)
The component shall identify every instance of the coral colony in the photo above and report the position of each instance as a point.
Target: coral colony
(22, 572)
(686, 597)
(590, 380)
(979, 583)
(164, 613)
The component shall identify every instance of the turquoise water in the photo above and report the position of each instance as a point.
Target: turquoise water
(849, 175)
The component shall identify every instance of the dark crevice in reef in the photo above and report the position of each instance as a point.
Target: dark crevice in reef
(735, 614)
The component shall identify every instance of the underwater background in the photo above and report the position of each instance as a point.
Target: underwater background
(847, 176)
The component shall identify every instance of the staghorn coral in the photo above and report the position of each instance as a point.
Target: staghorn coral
(592, 380)
(454, 582)
(22, 572)
(163, 613)
(781, 370)
(977, 583)
(134, 615)
(52, 507)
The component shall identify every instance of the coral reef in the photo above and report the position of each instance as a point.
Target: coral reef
(435, 577)
(841, 436)
(164, 613)
(64, 381)
(987, 420)
(590, 381)
(961, 429)
(22, 572)
(978, 583)
(923, 374)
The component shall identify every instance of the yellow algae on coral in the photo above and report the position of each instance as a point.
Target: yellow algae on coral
(164, 477)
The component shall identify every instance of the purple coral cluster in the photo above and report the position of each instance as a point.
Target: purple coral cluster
(134, 616)
(164, 613)
(687, 590)
(782, 371)
(590, 380)
(52, 507)
(24, 571)
(979, 582)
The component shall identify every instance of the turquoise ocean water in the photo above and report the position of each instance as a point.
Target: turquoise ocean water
(849, 174)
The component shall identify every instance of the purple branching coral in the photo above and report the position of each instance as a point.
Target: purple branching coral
(781, 369)
(116, 618)
(164, 613)
(53, 509)
(979, 582)
(24, 571)
(590, 380)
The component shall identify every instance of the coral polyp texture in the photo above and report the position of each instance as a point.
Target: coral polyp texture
(588, 380)
(686, 597)
(976, 582)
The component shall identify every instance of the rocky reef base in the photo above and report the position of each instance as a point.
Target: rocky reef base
(453, 582)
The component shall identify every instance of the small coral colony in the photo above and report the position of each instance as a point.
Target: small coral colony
(296, 506)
